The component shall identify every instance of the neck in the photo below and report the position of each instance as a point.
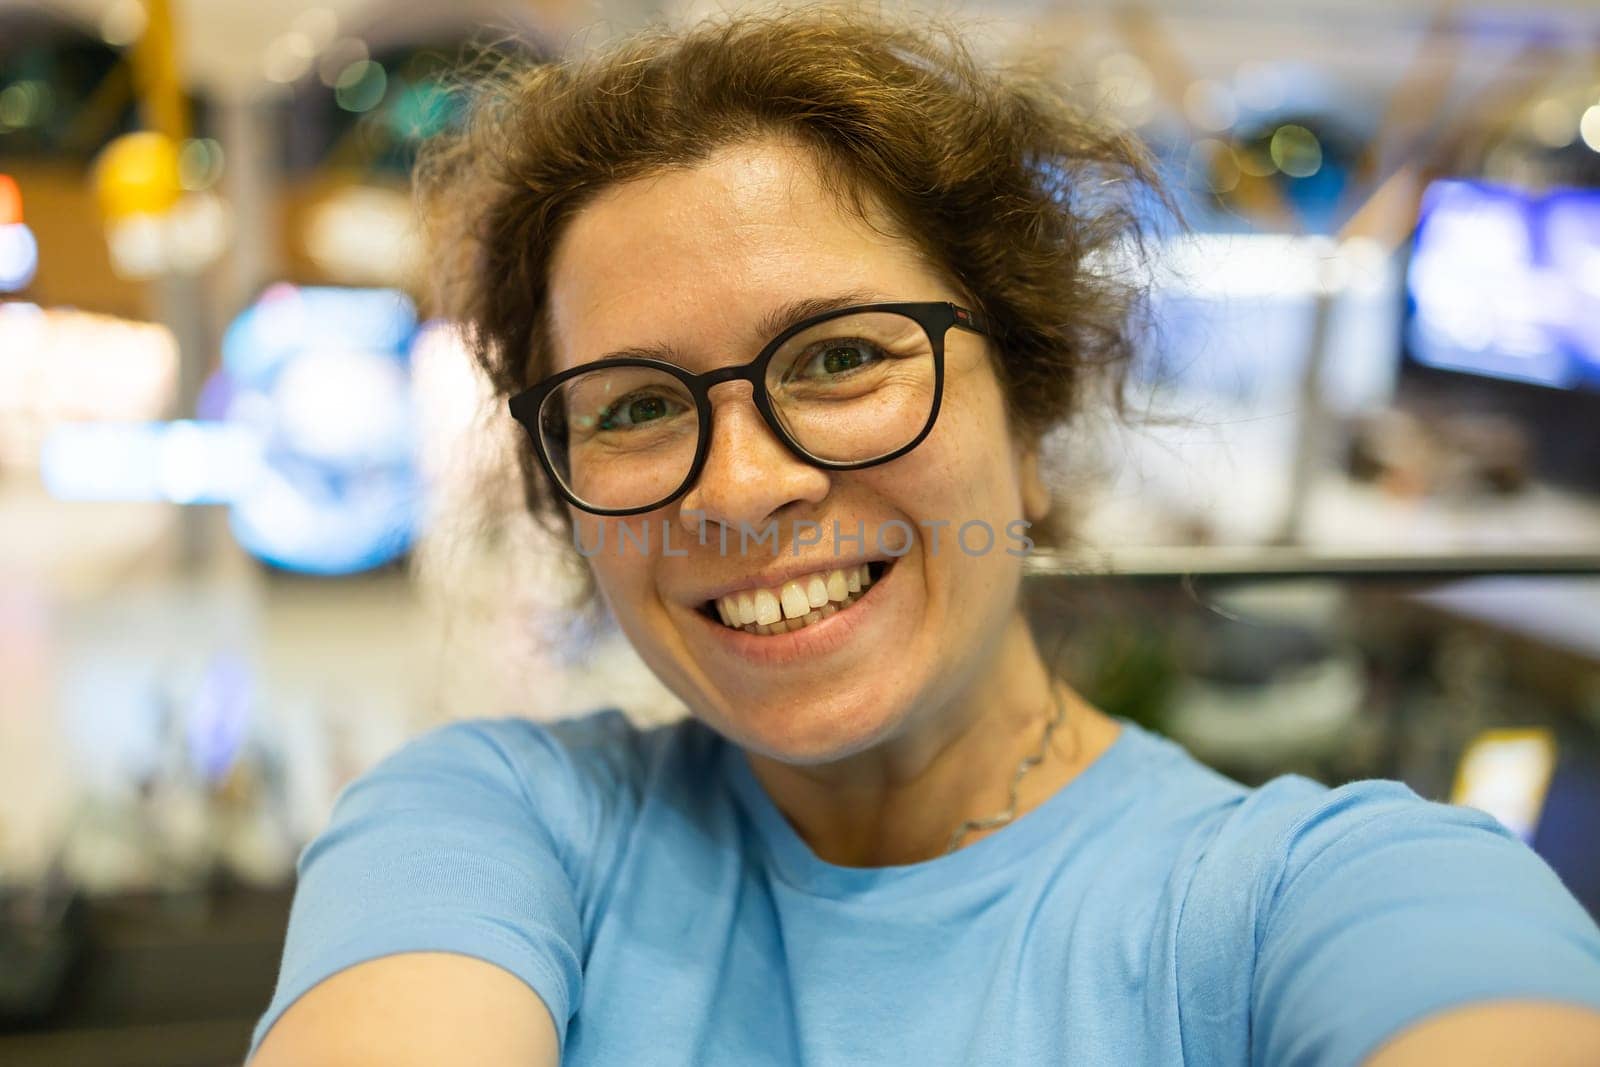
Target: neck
(954, 759)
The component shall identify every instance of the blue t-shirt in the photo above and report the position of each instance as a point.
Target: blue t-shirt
(1150, 912)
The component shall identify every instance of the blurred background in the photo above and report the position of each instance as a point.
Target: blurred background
(258, 523)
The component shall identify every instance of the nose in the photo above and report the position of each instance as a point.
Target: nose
(749, 474)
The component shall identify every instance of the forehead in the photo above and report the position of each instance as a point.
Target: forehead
(697, 258)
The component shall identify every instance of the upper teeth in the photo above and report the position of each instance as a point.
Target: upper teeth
(821, 594)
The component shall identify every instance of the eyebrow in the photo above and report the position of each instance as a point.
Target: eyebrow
(795, 311)
(771, 325)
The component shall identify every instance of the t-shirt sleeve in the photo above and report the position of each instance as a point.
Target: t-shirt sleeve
(1378, 909)
(469, 839)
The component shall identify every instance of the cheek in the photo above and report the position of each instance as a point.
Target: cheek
(970, 475)
(622, 574)
(966, 469)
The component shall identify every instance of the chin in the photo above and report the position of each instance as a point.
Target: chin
(809, 733)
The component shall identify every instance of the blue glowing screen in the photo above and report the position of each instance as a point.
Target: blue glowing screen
(1506, 283)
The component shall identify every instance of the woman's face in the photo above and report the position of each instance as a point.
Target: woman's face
(694, 261)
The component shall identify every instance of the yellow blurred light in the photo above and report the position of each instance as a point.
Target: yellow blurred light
(1507, 773)
(1296, 151)
(138, 174)
(1589, 127)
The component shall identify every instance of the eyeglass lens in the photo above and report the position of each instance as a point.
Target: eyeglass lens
(847, 390)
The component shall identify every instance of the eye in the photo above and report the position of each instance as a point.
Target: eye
(837, 358)
(637, 410)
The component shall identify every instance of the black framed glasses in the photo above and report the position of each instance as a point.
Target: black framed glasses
(846, 389)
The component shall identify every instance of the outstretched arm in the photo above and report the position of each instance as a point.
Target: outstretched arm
(416, 1009)
(1553, 1035)
(436, 919)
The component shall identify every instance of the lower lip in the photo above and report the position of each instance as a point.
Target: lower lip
(818, 639)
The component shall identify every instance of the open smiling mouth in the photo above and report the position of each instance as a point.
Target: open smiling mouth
(798, 603)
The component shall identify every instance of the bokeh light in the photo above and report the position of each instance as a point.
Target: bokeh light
(200, 162)
(19, 256)
(320, 376)
(1589, 127)
(138, 174)
(1296, 151)
(361, 86)
(10, 200)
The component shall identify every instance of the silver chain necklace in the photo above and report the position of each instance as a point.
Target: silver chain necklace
(1028, 763)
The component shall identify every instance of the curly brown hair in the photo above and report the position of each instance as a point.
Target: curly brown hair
(1016, 194)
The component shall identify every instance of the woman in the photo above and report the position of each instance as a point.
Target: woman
(785, 305)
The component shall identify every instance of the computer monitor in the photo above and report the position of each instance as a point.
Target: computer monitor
(1505, 283)
(1502, 317)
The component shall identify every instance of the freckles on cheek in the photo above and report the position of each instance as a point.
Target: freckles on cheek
(974, 461)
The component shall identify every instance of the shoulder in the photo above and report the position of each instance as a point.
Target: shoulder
(1166, 794)
(489, 838)
(519, 746)
(1319, 921)
(537, 760)
(573, 784)
(1294, 840)
(1292, 829)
